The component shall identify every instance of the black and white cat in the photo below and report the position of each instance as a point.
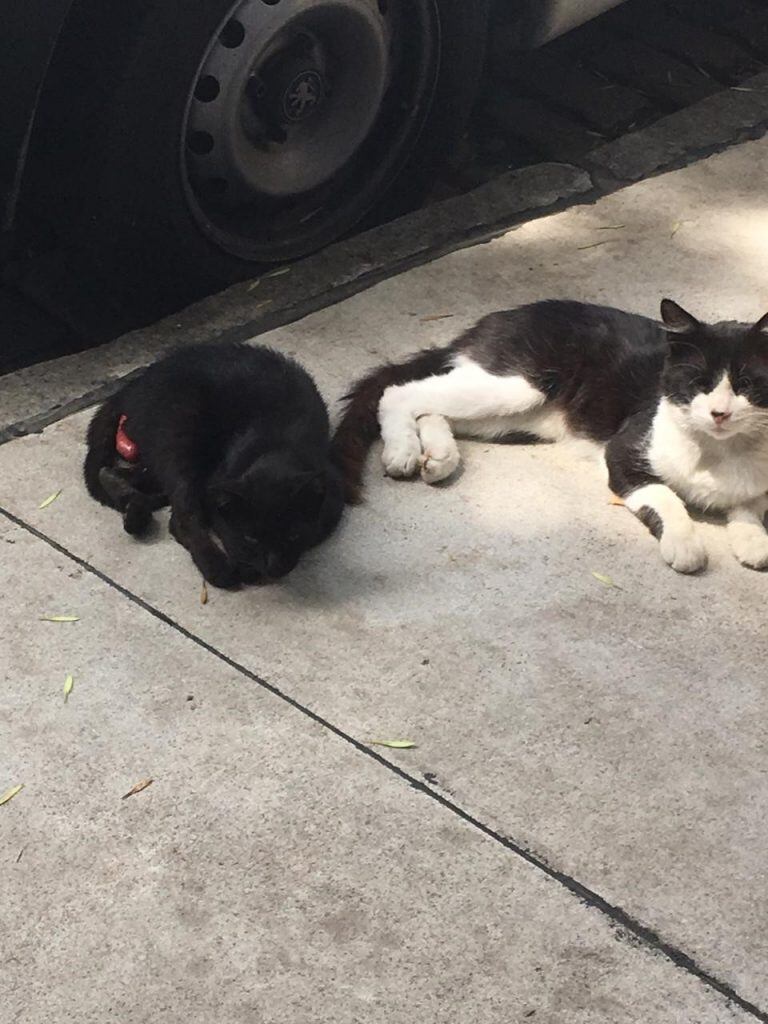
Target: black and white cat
(236, 439)
(681, 407)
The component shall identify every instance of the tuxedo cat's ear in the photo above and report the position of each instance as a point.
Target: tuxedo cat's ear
(677, 319)
(761, 327)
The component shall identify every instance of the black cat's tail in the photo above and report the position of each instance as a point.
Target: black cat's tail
(358, 427)
(101, 451)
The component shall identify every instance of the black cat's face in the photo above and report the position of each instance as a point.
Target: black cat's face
(716, 376)
(267, 518)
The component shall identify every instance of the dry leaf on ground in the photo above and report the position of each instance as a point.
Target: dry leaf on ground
(59, 618)
(396, 744)
(69, 682)
(137, 788)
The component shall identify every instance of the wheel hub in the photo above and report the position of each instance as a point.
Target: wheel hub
(284, 109)
(303, 96)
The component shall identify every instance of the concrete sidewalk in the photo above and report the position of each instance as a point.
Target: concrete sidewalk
(579, 834)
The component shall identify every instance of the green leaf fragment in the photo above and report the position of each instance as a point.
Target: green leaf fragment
(677, 225)
(9, 794)
(69, 682)
(50, 499)
(59, 618)
(396, 744)
(605, 580)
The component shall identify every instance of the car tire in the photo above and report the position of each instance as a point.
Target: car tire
(108, 161)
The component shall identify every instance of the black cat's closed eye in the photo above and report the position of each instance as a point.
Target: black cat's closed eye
(222, 498)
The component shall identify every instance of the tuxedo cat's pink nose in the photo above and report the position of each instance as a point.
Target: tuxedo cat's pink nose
(720, 417)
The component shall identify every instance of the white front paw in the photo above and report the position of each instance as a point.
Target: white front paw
(685, 552)
(438, 463)
(401, 458)
(751, 547)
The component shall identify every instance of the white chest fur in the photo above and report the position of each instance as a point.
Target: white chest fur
(705, 471)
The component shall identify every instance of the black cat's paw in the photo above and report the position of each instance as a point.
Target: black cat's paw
(137, 518)
(220, 574)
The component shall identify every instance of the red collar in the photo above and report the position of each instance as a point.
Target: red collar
(126, 448)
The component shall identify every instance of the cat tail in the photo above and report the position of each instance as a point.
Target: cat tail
(358, 427)
(101, 450)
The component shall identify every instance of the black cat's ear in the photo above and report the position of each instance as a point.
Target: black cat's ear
(676, 319)
(761, 327)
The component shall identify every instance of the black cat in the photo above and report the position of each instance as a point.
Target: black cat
(681, 406)
(235, 438)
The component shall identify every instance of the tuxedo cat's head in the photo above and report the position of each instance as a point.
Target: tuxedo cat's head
(716, 375)
(267, 516)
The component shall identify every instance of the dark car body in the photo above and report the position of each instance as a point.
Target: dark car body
(95, 167)
(32, 29)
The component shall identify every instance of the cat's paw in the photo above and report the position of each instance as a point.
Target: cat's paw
(222, 575)
(216, 568)
(685, 552)
(401, 458)
(137, 518)
(439, 463)
(750, 546)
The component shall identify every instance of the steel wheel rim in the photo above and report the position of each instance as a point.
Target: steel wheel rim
(286, 113)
